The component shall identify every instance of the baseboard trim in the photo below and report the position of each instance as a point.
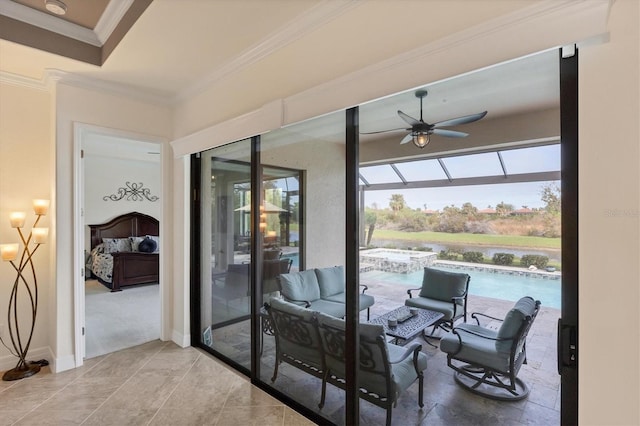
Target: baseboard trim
(64, 363)
(182, 340)
(7, 362)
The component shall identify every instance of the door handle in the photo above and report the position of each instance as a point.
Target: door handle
(567, 346)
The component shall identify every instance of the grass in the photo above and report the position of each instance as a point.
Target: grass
(465, 238)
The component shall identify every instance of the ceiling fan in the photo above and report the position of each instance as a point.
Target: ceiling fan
(420, 131)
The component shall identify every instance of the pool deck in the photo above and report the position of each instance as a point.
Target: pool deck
(457, 406)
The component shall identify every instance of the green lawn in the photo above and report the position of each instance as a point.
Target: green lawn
(475, 239)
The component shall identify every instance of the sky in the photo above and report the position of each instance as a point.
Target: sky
(481, 196)
(544, 158)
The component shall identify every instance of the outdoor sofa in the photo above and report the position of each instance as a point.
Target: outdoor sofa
(315, 343)
(322, 290)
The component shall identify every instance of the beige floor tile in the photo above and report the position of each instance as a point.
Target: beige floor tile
(67, 416)
(119, 417)
(262, 416)
(246, 395)
(144, 392)
(9, 417)
(186, 417)
(293, 418)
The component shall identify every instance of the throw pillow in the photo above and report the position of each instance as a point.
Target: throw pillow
(115, 245)
(147, 245)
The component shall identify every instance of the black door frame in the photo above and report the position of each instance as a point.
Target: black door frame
(568, 323)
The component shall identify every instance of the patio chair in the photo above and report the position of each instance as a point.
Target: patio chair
(486, 361)
(296, 335)
(236, 282)
(386, 370)
(444, 292)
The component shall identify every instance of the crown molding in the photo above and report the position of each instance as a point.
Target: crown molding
(22, 81)
(42, 20)
(54, 76)
(111, 18)
(301, 25)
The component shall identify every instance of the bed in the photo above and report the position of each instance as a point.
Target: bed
(117, 264)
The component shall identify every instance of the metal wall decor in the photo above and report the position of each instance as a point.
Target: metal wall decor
(133, 192)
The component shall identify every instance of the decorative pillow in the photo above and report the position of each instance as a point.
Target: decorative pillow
(135, 241)
(115, 245)
(147, 245)
(157, 240)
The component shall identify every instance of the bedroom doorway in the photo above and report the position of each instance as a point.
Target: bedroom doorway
(118, 205)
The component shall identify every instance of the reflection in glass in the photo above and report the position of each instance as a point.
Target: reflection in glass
(226, 248)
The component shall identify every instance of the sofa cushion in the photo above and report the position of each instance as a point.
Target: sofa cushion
(330, 280)
(300, 286)
(365, 300)
(513, 321)
(443, 285)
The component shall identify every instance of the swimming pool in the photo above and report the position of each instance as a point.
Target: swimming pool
(486, 284)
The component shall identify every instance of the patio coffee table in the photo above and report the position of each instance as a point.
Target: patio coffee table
(409, 328)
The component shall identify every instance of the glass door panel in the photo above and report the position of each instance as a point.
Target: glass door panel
(302, 227)
(226, 250)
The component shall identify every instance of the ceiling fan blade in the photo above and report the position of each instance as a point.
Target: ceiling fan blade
(450, 133)
(410, 120)
(385, 131)
(460, 120)
(406, 139)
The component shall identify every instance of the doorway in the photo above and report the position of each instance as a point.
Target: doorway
(118, 198)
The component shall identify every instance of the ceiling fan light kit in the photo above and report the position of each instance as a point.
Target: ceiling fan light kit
(420, 132)
(55, 6)
(421, 139)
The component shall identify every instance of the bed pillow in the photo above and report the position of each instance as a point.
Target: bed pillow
(147, 245)
(135, 241)
(157, 240)
(115, 245)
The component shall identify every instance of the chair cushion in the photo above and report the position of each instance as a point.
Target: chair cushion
(404, 373)
(365, 300)
(475, 349)
(443, 285)
(523, 308)
(330, 280)
(300, 286)
(434, 305)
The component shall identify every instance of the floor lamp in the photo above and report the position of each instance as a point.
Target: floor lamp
(25, 284)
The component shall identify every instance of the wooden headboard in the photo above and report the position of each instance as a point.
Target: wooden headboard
(128, 225)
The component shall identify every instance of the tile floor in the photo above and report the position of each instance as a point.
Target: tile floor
(157, 383)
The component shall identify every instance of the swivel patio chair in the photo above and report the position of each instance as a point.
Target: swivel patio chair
(486, 361)
(444, 292)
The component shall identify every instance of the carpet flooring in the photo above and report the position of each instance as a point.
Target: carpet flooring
(115, 321)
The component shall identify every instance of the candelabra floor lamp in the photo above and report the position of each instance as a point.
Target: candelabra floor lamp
(24, 285)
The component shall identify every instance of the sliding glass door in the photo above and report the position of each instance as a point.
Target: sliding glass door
(225, 255)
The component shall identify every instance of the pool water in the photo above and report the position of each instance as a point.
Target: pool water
(487, 284)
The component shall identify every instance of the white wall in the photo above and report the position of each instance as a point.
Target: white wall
(25, 170)
(609, 223)
(75, 105)
(104, 176)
